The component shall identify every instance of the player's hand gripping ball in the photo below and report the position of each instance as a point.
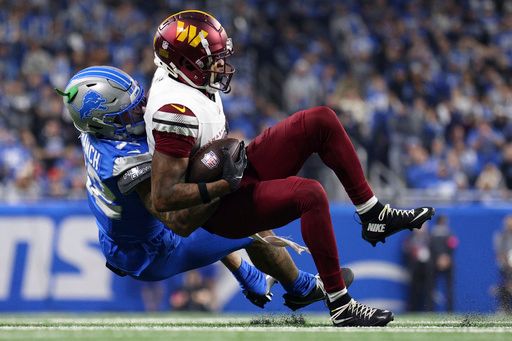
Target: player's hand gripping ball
(208, 163)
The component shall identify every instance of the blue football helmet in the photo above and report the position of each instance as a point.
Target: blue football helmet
(106, 102)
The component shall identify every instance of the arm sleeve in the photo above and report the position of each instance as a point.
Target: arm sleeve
(175, 130)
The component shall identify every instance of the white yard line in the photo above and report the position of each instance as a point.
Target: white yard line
(426, 329)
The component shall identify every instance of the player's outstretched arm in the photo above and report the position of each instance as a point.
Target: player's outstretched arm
(182, 222)
(170, 193)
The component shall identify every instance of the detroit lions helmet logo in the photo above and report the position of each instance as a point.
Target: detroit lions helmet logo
(92, 101)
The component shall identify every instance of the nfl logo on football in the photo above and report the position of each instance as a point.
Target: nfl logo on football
(210, 160)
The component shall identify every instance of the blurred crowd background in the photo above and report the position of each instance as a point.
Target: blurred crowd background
(422, 87)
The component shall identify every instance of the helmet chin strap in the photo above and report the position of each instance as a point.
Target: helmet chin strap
(209, 88)
(205, 44)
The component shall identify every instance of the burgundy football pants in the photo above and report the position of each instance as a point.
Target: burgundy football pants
(271, 196)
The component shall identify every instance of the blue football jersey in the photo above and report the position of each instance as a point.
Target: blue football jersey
(132, 240)
(122, 218)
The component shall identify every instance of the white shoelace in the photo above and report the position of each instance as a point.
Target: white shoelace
(394, 211)
(358, 309)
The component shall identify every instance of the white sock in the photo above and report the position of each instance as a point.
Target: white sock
(365, 207)
(333, 296)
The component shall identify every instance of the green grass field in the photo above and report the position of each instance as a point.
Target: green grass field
(174, 326)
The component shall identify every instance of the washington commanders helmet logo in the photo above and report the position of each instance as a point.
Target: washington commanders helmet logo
(189, 32)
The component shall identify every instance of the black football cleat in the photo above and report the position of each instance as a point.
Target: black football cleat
(355, 314)
(260, 300)
(383, 221)
(317, 294)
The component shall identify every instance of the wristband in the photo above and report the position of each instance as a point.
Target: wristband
(203, 191)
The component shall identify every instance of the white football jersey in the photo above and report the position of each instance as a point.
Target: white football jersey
(206, 124)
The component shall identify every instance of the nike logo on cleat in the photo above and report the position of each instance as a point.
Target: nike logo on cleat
(425, 210)
(376, 227)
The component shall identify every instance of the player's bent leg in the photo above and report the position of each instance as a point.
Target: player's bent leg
(334, 147)
(271, 204)
(293, 140)
(329, 139)
(318, 130)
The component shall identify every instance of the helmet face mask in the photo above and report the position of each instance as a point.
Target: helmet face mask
(106, 102)
(132, 120)
(220, 77)
(188, 44)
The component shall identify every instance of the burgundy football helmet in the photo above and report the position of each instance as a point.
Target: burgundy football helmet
(188, 43)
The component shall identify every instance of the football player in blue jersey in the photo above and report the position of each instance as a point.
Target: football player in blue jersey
(107, 107)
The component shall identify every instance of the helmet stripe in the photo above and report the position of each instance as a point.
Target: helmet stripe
(189, 11)
(123, 82)
(108, 73)
(112, 70)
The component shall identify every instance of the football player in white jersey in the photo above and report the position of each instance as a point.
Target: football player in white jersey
(259, 190)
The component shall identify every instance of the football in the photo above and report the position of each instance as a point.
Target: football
(207, 163)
